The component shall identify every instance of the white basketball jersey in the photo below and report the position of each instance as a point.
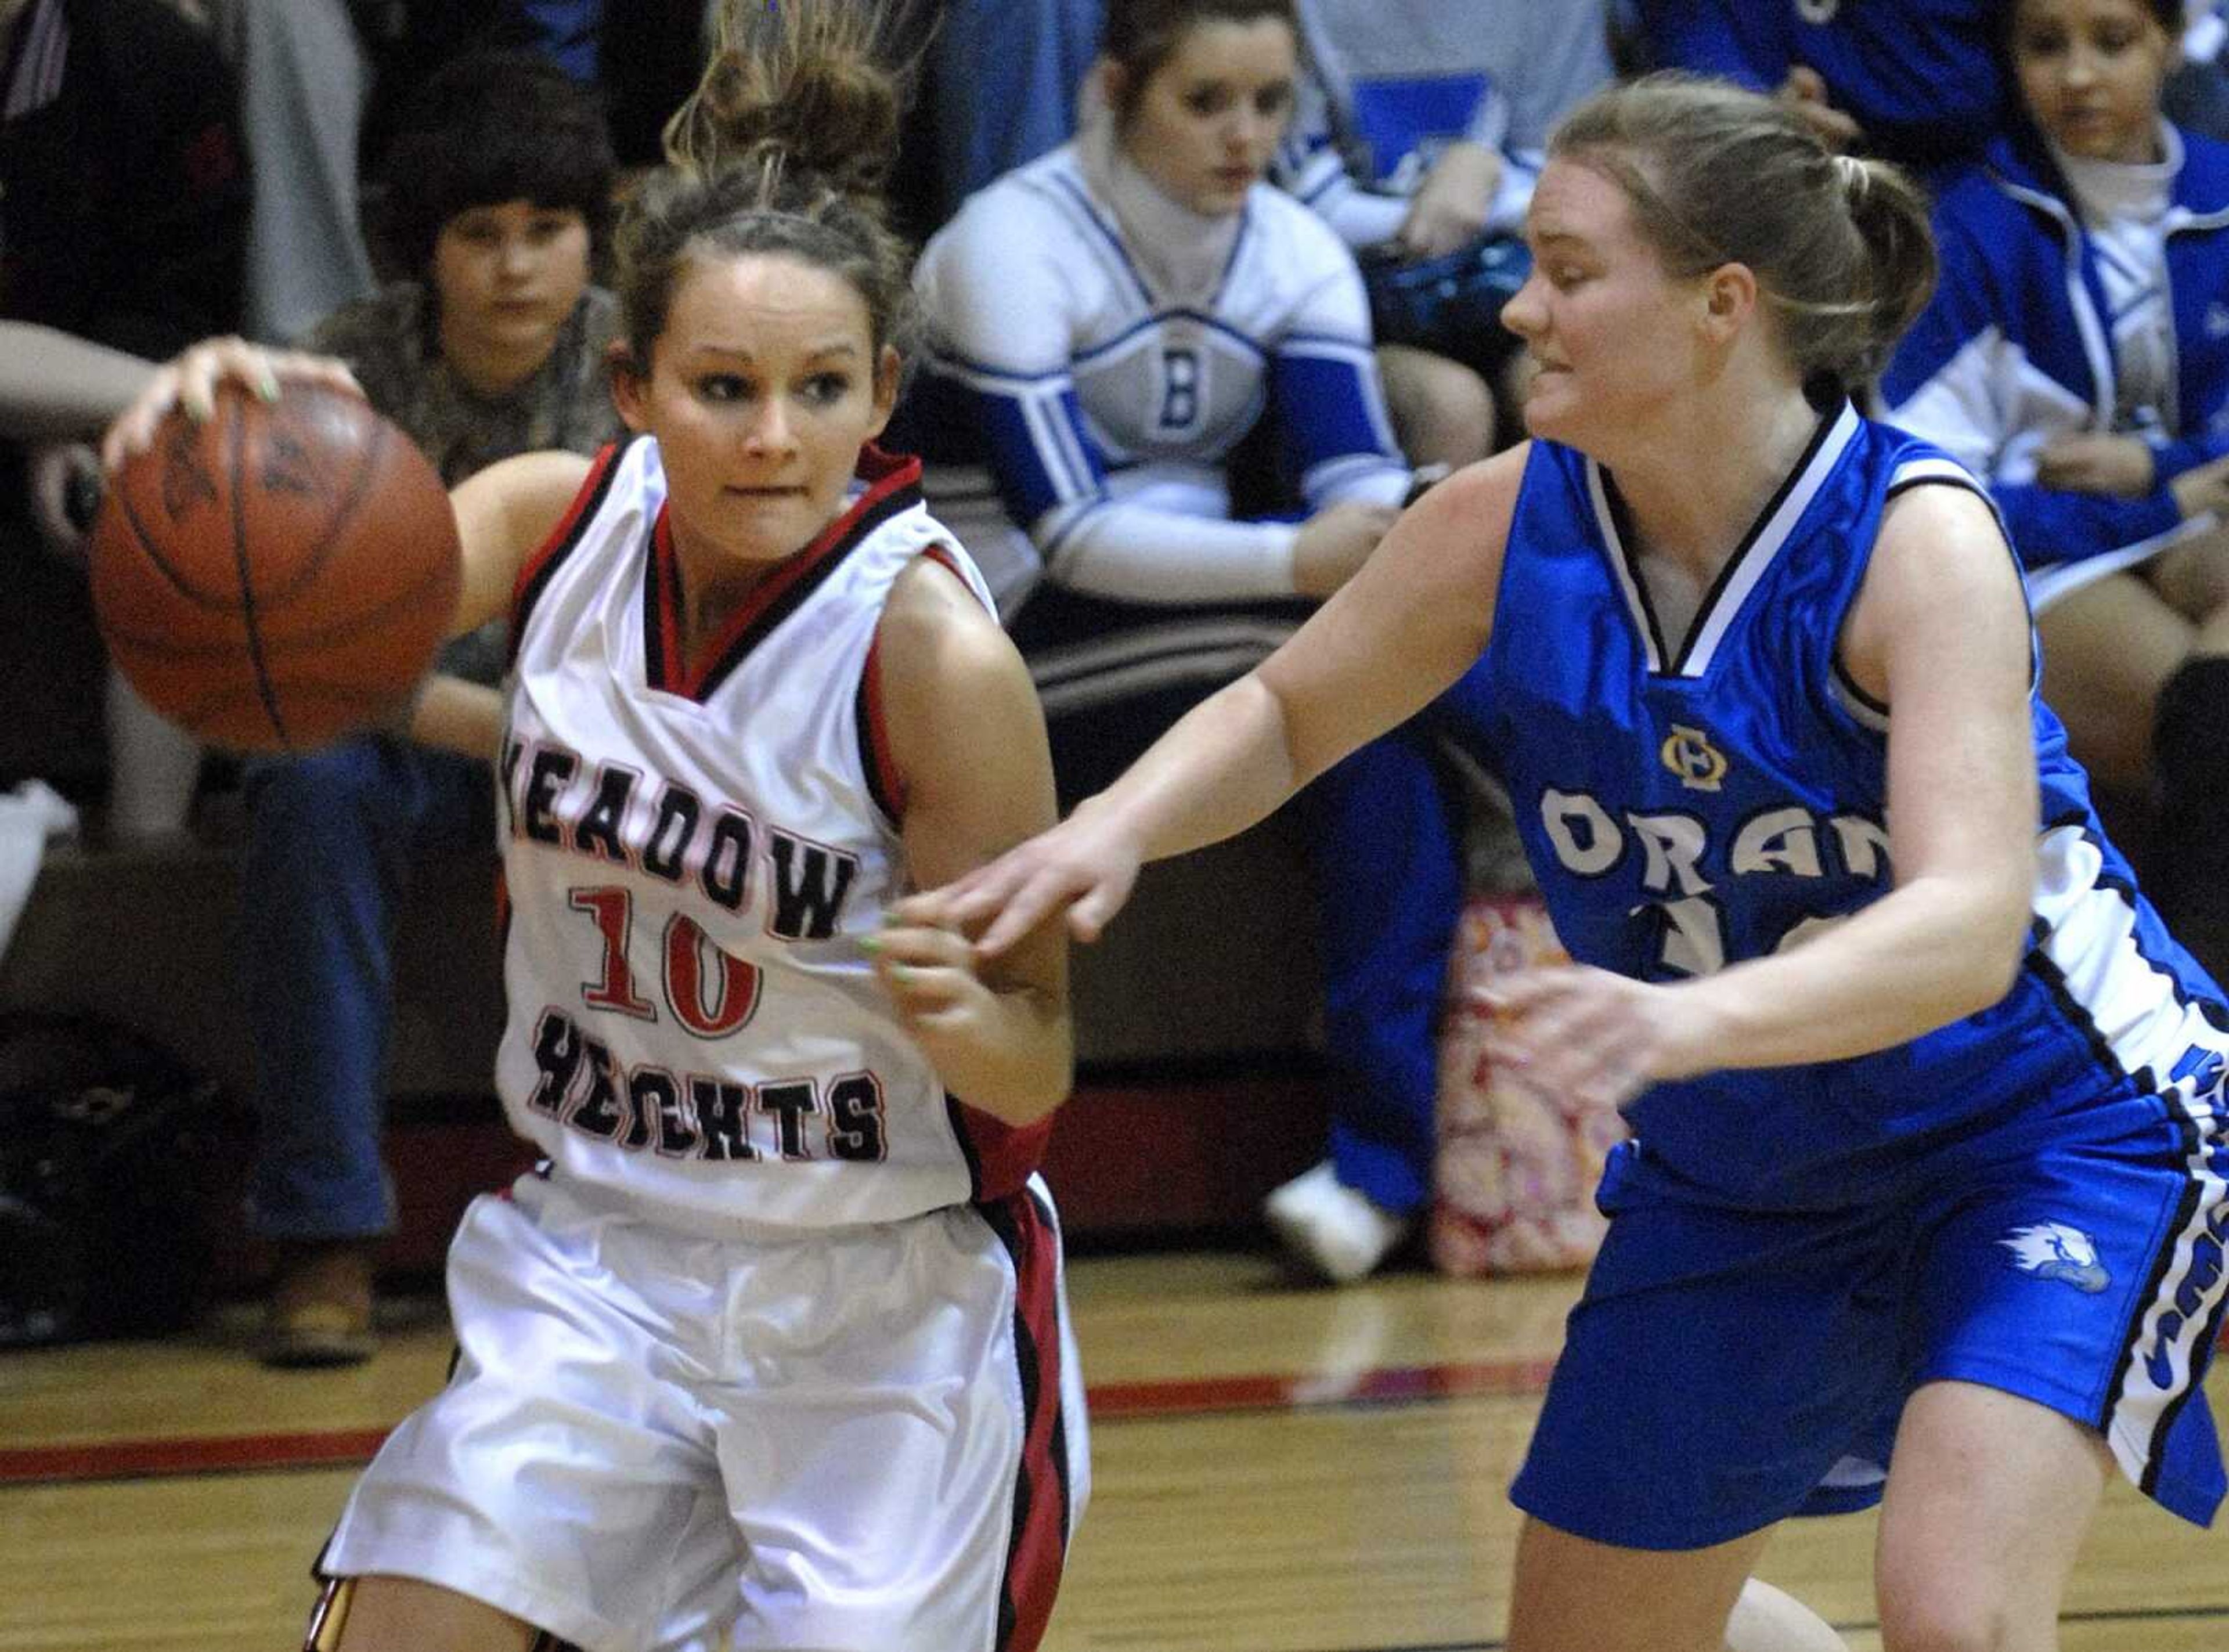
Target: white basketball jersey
(692, 852)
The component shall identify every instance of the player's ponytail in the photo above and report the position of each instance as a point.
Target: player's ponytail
(799, 84)
(1890, 217)
(782, 148)
(1840, 248)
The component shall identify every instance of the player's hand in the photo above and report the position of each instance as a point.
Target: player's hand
(1334, 543)
(1597, 1038)
(1450, 206)
(2202, 489)
(929, 972)
(190, 381)
(1805, 92)
(2122, 466)
(1084, 868)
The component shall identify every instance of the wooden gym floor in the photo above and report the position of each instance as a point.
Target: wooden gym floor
(1279, 1470)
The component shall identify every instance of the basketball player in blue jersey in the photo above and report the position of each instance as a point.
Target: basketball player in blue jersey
(773, 1354)
(1930, 1149)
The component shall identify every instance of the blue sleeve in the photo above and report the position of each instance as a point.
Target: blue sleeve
(1337, 438)
(1049, 472)
(2174, 458)
(1752, 44)
(2050, 525)
(1323, 379)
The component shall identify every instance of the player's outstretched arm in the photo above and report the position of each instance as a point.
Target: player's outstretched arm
(55, 386)
(1412, 620)
(966, 740)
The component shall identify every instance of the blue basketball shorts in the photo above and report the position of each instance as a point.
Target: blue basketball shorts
(1726, 1368)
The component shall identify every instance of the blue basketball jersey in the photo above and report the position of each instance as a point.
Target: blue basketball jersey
(1689, 802)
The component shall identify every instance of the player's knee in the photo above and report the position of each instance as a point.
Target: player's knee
(1443, 412)
(1924, 1619)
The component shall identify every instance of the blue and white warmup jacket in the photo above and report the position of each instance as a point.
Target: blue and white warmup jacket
(1096, 351)
(2017, 349)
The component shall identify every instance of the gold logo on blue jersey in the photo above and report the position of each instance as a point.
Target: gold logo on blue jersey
(1689, 754)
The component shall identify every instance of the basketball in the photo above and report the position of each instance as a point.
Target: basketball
(278, 576)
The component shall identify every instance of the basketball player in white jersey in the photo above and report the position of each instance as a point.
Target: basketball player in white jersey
(773, 1352)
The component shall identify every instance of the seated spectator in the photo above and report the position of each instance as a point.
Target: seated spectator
(2097, 410)
(304, 73)
(1109, 323)
(500, 187)
(1405, 141)
(1915, 81)
(123, 221)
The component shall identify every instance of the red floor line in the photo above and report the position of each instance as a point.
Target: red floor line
(163, 1456)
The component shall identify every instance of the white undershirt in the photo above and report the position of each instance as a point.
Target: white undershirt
(2124, 207)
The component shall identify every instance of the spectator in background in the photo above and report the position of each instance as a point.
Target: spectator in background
(1915, 81)
(303, 75)
(1417, 137)
(1105, 326)
(2097, 410)
(123, 219)
(499, 184)
(1001, 82)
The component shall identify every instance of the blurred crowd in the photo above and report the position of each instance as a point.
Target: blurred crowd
(1202, 307)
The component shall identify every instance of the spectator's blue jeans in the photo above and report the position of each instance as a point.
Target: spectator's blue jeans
(1387, 836)
(333, 838)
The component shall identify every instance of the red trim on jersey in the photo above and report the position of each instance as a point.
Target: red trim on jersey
(942, 555)
(1003, 1156)
(887, 475)
(666, 668)
(1038, 1547)
(886, 782)
(569, 525)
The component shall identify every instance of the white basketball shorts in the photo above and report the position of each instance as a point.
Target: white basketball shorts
(864, 1439)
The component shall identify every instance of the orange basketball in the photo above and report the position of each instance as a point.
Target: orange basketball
(279, 576)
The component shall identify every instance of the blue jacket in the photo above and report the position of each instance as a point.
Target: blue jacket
(1921, 76)
(2015, 350)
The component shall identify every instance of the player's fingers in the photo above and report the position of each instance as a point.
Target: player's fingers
(1095, 905)
(1030, 904)
(919, 945)
(133, 430)
(935, 908)
(969, 900)
(296, 366)
(1519, 990)
(922, 990)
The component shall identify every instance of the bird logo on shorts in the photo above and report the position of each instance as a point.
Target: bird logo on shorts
(2054, 1251)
